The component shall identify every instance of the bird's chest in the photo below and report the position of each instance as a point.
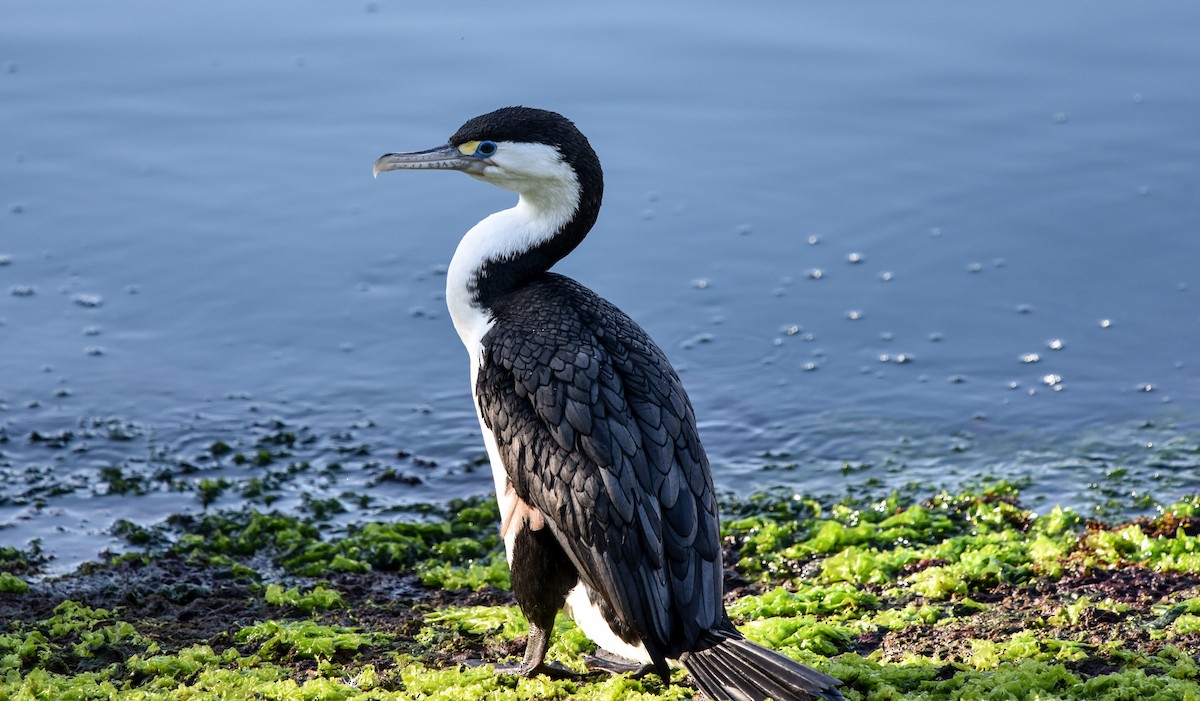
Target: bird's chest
(515, 513)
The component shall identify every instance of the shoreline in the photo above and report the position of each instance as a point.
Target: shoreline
(950, 596)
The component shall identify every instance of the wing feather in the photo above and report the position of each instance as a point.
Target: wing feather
(596, 431)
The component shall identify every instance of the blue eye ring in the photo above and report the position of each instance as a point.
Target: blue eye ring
(485, 149)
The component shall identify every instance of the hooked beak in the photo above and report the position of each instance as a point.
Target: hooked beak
(440, 158)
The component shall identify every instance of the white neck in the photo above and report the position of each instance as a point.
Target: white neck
(545, 206)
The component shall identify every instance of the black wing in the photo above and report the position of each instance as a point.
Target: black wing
(596, 431)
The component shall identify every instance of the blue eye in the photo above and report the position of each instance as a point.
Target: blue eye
(485, 149)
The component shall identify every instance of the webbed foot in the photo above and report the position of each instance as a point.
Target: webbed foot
(554, 670)
(612, 663)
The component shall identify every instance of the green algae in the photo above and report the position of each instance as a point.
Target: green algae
(318, 598)
(956, 596)
(491, 570)
(22, 561)
(305, 639)
(12, 584)
(454, 549)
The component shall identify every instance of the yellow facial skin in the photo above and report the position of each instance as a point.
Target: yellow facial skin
(469, 148)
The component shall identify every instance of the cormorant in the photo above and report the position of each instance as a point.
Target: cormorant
(606, 499)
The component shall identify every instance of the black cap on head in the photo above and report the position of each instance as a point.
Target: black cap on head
(530, 125)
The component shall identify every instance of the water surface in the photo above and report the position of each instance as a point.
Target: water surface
(933, 242)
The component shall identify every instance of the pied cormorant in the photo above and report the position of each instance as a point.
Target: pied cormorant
(606, 500)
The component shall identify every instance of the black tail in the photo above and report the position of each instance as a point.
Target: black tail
(735, 669)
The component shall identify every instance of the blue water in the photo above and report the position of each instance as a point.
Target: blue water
(192, 247)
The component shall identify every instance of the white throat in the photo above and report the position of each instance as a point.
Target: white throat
(549, 196)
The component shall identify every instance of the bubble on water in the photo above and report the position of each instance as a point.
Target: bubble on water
(1052, 379)
(814, 240)
(94, 350)
(957, 379)
(346, 347)
(700, 283)
(1013, 384)
(886, 336)
(810, 366)
(92, 331)
(22, 291)
(792, 330)
(815, 274)
(854, 314)
(698, 339)
(855, 257)
(744, 230)
(648, 213)
(1030, 358)
(1105, 323)
(133, 289)
(87, 300)
(885, 276)
(1024, 308)
(62, 392)
(777, 342)
(5, 259)
(974, 267)
(936, 337)
(808, 337)
(1060, 117)
(884, 357)
(999, 262)
(16, 208)
(903, 359)
(1055, 344)
(1145, 387)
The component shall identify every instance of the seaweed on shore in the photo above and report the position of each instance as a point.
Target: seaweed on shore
(953, 596)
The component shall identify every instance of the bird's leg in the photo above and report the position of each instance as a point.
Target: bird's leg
(541, 577)
(535, 657)
(535, 650)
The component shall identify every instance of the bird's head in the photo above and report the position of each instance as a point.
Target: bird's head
(522, 149)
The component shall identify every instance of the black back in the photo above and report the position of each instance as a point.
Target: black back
(596, 432)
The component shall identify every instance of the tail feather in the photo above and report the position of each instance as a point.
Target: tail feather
(735, 669)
